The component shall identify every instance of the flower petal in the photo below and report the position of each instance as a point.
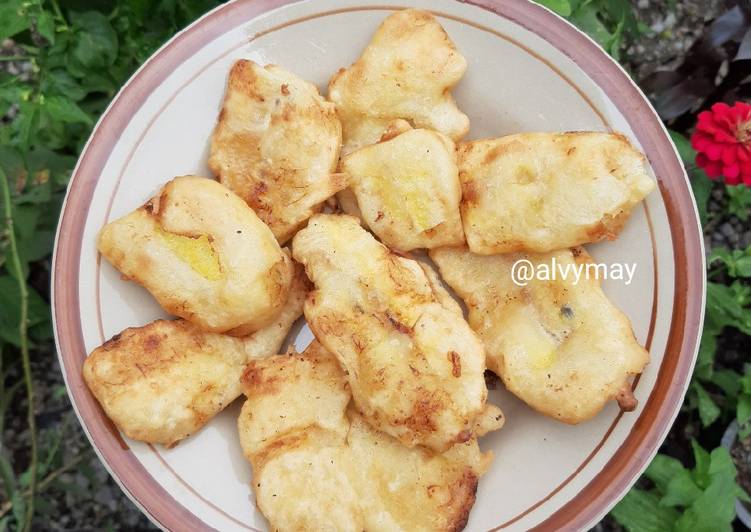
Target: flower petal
(732, 171)
(714, 152)
(729, 155)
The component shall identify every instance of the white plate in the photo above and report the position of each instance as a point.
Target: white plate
(528, 71)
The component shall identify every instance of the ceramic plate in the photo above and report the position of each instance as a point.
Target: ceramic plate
(528, 71)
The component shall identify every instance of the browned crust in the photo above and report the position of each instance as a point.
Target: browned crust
(456, 363)
(626, 399)
(463, 495)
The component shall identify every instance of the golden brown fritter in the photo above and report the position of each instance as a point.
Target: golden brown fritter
(560, 346)
(368, 131)
(414, 365)
(204, 255)
(162, 382)
(408, 191)
(317, 465)
(546, 191)
(407, 71)
(276, 144)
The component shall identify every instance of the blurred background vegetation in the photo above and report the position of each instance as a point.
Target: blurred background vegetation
(62, 61)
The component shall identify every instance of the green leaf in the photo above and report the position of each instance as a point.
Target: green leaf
(707, 348)
(59, 81)
(714, 510)
(739, 201)
(45, 26)
(720, 463)
(43, 162)
(745, 380)
(39, 310)
(722, 255)
(708, 410)
(641, 511)
(681, 490)
(662, 469)
(616, 41)
(701, 186)
(702, 463)
(683, 145)
(8, 477)
(95, 44)
(585, 17)
(25, 220)
(65, 110)
(562, 7)
(728, 381)
(37, 247)
(700, 182)
(27, 124)
(737, 261)
(11, 92)
(743, 266)
(726, 306)
(19, 510)
(12, 163)
(13, 18)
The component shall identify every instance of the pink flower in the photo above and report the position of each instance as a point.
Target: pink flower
(722, 141)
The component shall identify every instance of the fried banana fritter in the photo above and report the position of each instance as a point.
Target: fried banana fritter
(162, 382)
(317, 465)
(204, 255)
(407, 71)
(414, 365)
(408, 190)
(276, 144)
(560, 346)
(369, 131)
(546, 191)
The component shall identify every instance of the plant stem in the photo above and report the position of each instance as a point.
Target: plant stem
(3, 396)
(8, 58)
(8, 505)
(15, 262)
(59, 13)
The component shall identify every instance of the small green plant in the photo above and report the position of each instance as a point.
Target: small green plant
(69, 58)
(736, 261)
(609, 22)
(739, 202)
(681, 499)
(713, 393)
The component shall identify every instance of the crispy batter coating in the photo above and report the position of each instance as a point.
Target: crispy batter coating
(408, 190)
(407, 71)
(369, 131)
(318, 465)
(560, 346)
(204, 255)
(162, 382)
(414, 365)
(276, 144)
(546, 191)
(364, 131)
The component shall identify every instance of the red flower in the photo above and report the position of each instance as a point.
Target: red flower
(722, 141)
